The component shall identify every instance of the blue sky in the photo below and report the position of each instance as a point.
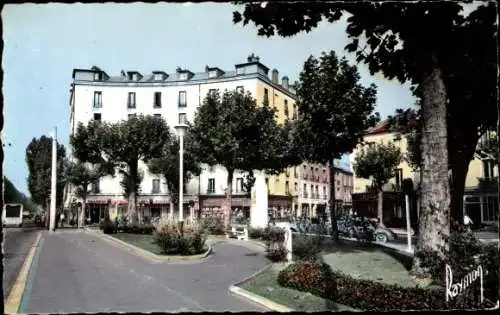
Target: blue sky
(44, 42)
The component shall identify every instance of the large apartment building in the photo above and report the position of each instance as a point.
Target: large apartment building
(480, 202)
(176, 97)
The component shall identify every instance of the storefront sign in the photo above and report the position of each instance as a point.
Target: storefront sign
(454, 289)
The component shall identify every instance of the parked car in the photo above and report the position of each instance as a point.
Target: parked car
(352, 226)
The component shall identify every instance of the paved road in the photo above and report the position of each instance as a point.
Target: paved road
(78, 272)
(17, 243)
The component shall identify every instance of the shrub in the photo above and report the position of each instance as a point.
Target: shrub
(108, 227)
(275, 248)
(213, 225)
(308, 276)
(317, 278)
(179, 239)
(306, 248)
(255, 233)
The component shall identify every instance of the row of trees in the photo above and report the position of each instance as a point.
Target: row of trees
(448, 57)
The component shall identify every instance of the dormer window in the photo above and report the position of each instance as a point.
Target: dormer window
(212, 74)
(134, 77)
(97, 76)
(183, 76)
(240, 71)
(158, 77)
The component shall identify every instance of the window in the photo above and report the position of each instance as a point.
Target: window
(312, 190)
(286, 108)
(287, 187)
(240, 70)
(97, 76)
(157, 101)
(156, 186)
(212, 92)
(239, 184)
(182, 99)
(131, 100)
(266, 96)
(95, 187)
(317, 191)
(324, 192)
(97, 99)
(97, 116)
(130, 116)
(295, 172)
(267, 182)
(157, 115)
(240, 89)
(211, 186)
(212, 74)
(182, 118)
(305, 190)
(158, 77)
(183, 76)
(296, 187)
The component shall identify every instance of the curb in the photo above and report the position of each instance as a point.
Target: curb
(271, 305)
(13, 302)
(148, 255)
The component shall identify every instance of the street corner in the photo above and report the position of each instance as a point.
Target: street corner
(16, 295)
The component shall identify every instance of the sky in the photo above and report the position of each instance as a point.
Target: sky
(43, 43)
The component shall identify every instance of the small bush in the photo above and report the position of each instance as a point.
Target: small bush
(317, 278)
(275, 248)
(277, 254)
(213, 226)
(108, 227)
(306, 248)
(179, 239)
(255, 233)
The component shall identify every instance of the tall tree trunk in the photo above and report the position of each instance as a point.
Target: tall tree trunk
(81, 217)
(434, 223)
(132, 195)
(333, 205)
(229, 195)
(459, 169)
(380, 206)
(172, 208)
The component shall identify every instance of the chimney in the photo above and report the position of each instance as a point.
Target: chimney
(206, 68)
(284, 82)
(275, 76)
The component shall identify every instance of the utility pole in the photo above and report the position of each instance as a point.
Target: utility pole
(52, 213)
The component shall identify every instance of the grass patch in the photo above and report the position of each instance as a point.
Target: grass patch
(142, 241)
(266, 285)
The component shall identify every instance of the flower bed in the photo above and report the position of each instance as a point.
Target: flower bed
(176, 238)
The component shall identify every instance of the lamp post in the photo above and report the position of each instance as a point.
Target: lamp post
(181, 131)
(52, 213)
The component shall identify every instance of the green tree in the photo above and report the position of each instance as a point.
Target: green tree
(436, 57)
(232, 131)
(80, 176)
(120, 146)
(378, 163)
(168, 167)
(39, 161)
(334, 112)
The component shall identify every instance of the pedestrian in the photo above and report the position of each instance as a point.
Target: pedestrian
(62, 219)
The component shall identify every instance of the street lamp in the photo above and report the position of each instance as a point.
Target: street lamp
(52, 213)
(181, 131)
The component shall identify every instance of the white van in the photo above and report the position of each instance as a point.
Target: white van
(12, 214)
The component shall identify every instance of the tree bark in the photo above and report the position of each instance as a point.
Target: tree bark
(229, 194)
(172, 208)
(132, 195)
(434, 225)
(333, 205)
(380, 207)
(81, 217)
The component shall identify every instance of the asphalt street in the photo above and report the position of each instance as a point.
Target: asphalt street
(16, 245)
(78, 272)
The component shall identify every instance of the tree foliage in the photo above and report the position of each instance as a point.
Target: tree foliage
(80, 176)
(121, 146)
(232, 131)
(437, 57)
(378, 163)
(334, 112)
(168, 166)
(39, 161)
(13, 195)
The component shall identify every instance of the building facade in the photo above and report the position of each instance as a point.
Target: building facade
(480, 201)
(95, 95)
